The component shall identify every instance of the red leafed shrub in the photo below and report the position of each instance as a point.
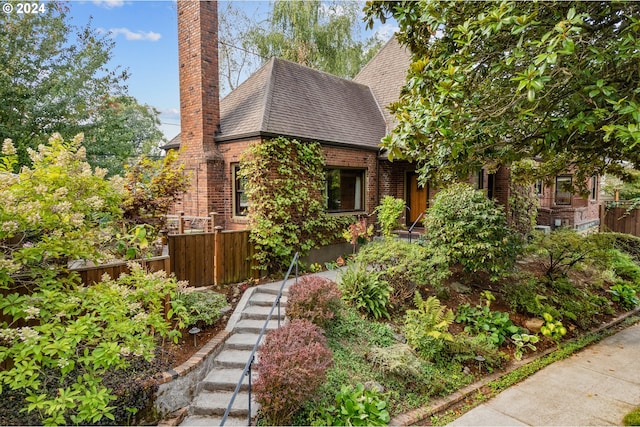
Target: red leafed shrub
(292, 365)
(314, 298)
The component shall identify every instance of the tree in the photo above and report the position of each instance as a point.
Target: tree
(54, 78)
(317, 34)
(236, 60)
(121, 130)
(496, 82)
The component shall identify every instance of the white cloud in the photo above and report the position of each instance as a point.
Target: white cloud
(109, 4)
(135, 35)
(385, 32)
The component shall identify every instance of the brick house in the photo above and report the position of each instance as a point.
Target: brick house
(347, 117)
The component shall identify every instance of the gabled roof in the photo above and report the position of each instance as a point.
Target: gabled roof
(385, 74)
(285, 98)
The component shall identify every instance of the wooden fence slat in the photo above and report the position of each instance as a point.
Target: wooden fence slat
(616, 220)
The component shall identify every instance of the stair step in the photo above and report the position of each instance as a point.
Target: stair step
(199, 420)
(225, 380)
(254, 326)
(215, 403)
(274, 288)
(260, 312)
(232, 358)
(263, 298)
(239, 341)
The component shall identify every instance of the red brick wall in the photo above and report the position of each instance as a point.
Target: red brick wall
(581, 214)
(199, 104)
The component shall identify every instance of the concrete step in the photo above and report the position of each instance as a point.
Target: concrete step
(250, 326)
(199, 420)
(274, 288)
(241, 341)
(230, 359)
(264, 298)
(225, 380)
(209, 403)
(260, 312)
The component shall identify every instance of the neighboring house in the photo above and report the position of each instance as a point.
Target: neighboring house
(347, 117)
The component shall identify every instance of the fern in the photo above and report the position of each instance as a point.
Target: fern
(427, 327)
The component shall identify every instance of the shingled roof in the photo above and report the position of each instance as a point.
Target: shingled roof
(288, 99)
(385, 74)
(285, 98)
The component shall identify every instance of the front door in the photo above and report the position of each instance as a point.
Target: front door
(416, 198)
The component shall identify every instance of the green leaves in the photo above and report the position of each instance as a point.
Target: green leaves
(355, 406)
(532, 80)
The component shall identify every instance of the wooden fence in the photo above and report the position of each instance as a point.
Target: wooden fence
(616, 219)
(91, 275)
(203, 259)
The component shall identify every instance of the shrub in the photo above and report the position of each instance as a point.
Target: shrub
(398, 359)
(315, 299)
(427, 327)
(389, 212)
(365, 290)
(355, 407)
(465, 347)
(564, 250)
(464, 227)
(405, 266)
(627, 243)
(624, 294)
(482, 320)
(552, 328)
(200, 308)
(292, 365)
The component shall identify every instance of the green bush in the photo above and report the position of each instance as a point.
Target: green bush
(200, 308)
(464, 227)
(624, 294)
(407, 267)
(628, 244)
(365, 290)
(482, 320)
(389, 212)
(355, 407)
(427, 327)
(398, 359)
(564, 250)
(467, 348)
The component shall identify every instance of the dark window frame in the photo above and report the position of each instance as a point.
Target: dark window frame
(333, 197)
(240, 207)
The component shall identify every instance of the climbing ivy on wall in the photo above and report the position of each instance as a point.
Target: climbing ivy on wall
(284, 183)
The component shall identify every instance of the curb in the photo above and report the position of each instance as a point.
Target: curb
(416, 416)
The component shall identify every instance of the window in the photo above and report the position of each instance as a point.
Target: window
(594, 188)
(344, 190)
(563, 190)
(479, 180)
(240, 199)
(538, 186)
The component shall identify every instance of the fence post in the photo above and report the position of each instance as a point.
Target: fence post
(212, 221)
(217, 256)
(180, 222)
(601, 215)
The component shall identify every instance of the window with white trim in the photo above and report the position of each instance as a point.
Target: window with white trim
(563, 190)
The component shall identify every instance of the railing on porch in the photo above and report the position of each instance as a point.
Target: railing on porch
(246, 372)
(181, 223)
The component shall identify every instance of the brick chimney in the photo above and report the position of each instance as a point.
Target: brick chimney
(200, 105)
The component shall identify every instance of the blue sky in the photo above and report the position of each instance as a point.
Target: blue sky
(146, 44)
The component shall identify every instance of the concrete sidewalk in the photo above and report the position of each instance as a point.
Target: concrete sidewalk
(597, 386)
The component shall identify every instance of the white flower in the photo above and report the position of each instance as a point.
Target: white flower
(63, 363)
(31, 312)
(27, 333)
(7, 148)
(125, 351)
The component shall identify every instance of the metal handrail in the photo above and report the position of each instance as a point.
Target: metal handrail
(247, 367)
(414, 224)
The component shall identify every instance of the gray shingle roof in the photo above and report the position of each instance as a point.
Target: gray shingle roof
(285, 98)
(385, 74)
